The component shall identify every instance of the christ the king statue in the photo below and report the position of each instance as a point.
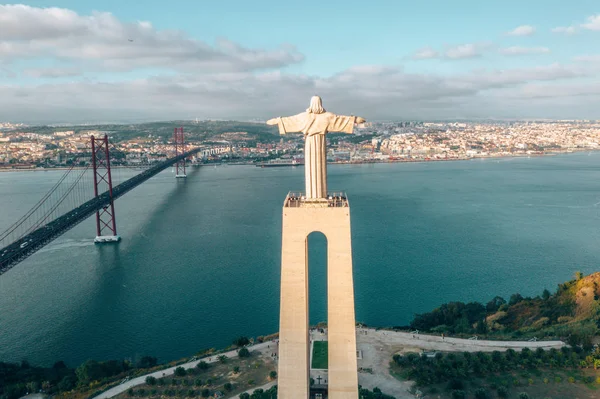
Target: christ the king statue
(315, 123)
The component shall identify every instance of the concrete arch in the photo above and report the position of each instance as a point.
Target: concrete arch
(294, 357)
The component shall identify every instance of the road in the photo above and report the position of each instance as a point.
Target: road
(114, 391)
(378, 347)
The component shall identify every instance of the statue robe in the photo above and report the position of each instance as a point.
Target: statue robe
(315, 127)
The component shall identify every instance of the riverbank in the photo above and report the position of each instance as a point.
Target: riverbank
(358, 162)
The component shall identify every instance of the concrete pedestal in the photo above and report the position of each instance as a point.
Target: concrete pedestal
(332, 218)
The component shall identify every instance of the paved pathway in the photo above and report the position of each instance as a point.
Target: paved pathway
(114, 391)
(377, 347)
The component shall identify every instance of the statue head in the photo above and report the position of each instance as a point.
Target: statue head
(316, 106)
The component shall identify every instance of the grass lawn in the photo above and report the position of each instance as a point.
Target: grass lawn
(319, 355)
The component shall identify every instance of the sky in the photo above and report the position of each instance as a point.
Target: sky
(86, 61)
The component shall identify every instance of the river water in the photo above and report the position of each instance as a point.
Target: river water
(199, 261)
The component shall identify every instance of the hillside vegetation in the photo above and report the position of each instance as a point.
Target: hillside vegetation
(571, 313)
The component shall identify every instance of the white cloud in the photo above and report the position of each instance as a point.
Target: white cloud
(470, 50)
(588, 58)
(569, 30)
(516, 50)
(52, 72)
(30, 33)
(372, 91)
(523, 30)
(227, 80)
(593, 23)
(425, 53)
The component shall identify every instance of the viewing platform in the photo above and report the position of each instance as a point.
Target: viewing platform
(336, 199)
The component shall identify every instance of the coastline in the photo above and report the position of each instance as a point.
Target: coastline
(372, 161)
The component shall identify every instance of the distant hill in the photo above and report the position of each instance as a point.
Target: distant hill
(571, 313)
(202, 130)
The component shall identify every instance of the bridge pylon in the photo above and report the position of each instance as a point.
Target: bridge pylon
(106, 225)
(179, 140)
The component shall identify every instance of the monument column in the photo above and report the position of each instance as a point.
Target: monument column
(294, 344)
(304, 213)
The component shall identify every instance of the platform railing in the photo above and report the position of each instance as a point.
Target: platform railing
(335, 199)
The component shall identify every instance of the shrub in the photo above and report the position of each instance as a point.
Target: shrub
(558, 380)
(244, 395)
(250, 382)
(191, 392)
(202, 365)
(227, 386)
(241, 341)
(206, 393)
(572, 380)
(180, 371)
(236, 369)
(458, 394)
(456, 384)
(151, 380)
(523, 395)
(131, 393)
(546, 380)
(516, 382)
(198, 383)
(244, 352)
(502, 392)
(174, 381)
(273, 374)
(222, 359)
(530, 381)
(480, 393)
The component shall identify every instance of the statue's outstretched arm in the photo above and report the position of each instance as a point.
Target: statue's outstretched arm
(288, 124)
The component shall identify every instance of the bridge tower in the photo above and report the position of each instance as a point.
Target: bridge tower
(106, 225)
(179, 140)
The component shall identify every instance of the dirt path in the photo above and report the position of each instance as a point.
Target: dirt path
(378, 347)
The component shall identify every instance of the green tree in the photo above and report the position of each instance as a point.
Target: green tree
(458, 394)
(205, 393)
(202, 365)
(180, 372)
(151, 380)
(481, 393)
(223, 359)
(273, 374)
(241, 341)
(523, 395)
(546, 294)
(514, 299)
(244, 352)
(244, 395)
(236, 369)
(228, 387)
(146, 362)
(494, 304)
(67, 383)
(502, 392)
(198, 383)
(482, 327)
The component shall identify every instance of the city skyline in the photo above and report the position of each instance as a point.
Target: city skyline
(77, 62)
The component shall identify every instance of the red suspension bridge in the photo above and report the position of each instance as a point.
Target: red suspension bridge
(71, 200)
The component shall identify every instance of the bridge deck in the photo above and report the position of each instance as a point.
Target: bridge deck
(32, 242)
